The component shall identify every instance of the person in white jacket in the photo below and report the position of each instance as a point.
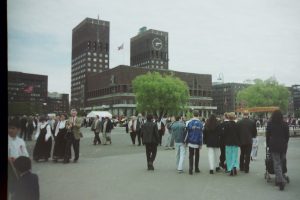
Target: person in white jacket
(43, 138)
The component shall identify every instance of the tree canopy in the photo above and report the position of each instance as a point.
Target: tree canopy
(160, 94)
(264, 93)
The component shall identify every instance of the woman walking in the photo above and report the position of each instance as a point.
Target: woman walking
(211, 137)
(277, 136)
(43, 143)
(60, 138)
(231, 141)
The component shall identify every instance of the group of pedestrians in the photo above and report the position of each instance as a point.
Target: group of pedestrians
(103, 126)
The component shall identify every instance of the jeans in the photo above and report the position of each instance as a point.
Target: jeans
(231, 157)
(245, 156)
(151, 150)
(213, 154)
(180, 154)
(192, 152)
(97, 138)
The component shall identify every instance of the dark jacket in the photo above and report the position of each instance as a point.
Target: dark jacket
(277, 137)
(27, 187)
(150, 133)
(211, 137)
(221, 126)
(194, 132)
(231, 135)
(247, 130)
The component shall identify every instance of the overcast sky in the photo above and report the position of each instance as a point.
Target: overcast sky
(239, 39)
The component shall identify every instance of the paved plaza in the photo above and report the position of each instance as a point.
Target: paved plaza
(118, 172)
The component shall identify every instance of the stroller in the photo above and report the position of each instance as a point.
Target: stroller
(270, 168)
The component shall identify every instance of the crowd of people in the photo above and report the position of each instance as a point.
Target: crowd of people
(223, 138)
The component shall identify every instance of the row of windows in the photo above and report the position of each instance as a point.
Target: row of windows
(95, 65)
(96, 54)
(78, 62)
(153, 55)
(111, 90)
(74, 74)
(98, 46)
(201, 93)
(79, 57)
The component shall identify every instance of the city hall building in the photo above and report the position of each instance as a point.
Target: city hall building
(112, 90)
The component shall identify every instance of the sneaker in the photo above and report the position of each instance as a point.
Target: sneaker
(197, 170)
(281, 186)
(211, 171)
(180, 171)
(190, 172)
(218, 169)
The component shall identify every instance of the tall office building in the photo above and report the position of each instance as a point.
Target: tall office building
(90, 55)
(149, 49)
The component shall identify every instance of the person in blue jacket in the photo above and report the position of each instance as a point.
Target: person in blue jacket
(194, 141)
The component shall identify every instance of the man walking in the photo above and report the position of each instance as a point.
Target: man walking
(139, 124)
(96, 127)
(194, 141)
(74, 136)
(246, 130)
(178, 131)
(150, 139)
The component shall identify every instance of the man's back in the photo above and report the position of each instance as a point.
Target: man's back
(247, 130)
(150, 133)
(27, 187)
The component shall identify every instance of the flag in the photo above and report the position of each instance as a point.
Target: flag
(28, 89)
(121, 47)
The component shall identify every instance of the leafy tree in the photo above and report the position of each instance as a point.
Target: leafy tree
(264, 93)
(160, 94)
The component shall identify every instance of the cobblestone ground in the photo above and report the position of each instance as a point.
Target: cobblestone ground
(118, 171)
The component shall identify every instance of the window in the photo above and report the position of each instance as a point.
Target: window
(95, 60)
(89, 69)
(101, 65)
(95, 54)
(106, 61)
(106, 55)
(94, 70)
(100, 60)
(89, 64)
(89, 59)
(89, 53)
(100, 55)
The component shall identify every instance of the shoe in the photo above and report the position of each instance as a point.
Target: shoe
(246, 171)
(190, 172)
(94, 143)
(66, 161)
(234, 171)
(231, 173)
(197, 170)
(211, 171)
(218, 169)
(152, 167)
(281, 186)
(180, 171)
(75, 160)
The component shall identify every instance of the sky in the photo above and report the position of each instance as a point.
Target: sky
(235, 39)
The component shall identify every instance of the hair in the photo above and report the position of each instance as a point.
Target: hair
(64, 114)
(22, 164)
(177, 117)
(231, 116)
(211, 122)
(43, 118)
(196, 113)
(97, 116)
(149, 117)
(14, 123)
(277, 117)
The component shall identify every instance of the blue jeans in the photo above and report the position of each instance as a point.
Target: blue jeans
(231, 157)
(180, 154)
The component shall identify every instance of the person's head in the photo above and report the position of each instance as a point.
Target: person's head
(133, 117)
(43, 119)
(211, 122)
(149, 117)
(196, 113)
(177, 117)
(140, 115)
(63, 116)
(13, 127)
(73, 113)
(225, 115)
(277, 117)
(58, 117)
(22, 164)
(246, 114)
(231, 116)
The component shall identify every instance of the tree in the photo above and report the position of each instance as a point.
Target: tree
(160, 94)
(265, 93)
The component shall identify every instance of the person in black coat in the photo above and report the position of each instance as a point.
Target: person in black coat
(149, 131)
(222, 144)
(277, 135)
(211, 137)
(27, 187)
(232, 142)
(247, 131)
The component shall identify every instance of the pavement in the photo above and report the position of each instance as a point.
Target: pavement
(118, 171)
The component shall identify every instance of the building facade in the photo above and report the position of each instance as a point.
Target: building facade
(26, 90)
(115, 93)
(296, 98)
(57, 103)
(224, 96)
(90, 55)
(149, 49)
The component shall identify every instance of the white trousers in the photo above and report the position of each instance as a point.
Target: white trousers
(213, 156)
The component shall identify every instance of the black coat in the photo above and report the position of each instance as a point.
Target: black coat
(247, 130)
(150, 133)
(230, 134)
(277, 137)
(211, 137)
(27, 187)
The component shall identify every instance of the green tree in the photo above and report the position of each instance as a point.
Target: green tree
(265, 93)
(160, 94)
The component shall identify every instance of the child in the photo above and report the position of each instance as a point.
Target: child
(27, 187)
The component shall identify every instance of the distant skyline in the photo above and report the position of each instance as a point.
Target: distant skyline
(239, 39)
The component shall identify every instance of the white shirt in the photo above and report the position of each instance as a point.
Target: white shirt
(41, 126)
(16, 147)
(60, 125)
